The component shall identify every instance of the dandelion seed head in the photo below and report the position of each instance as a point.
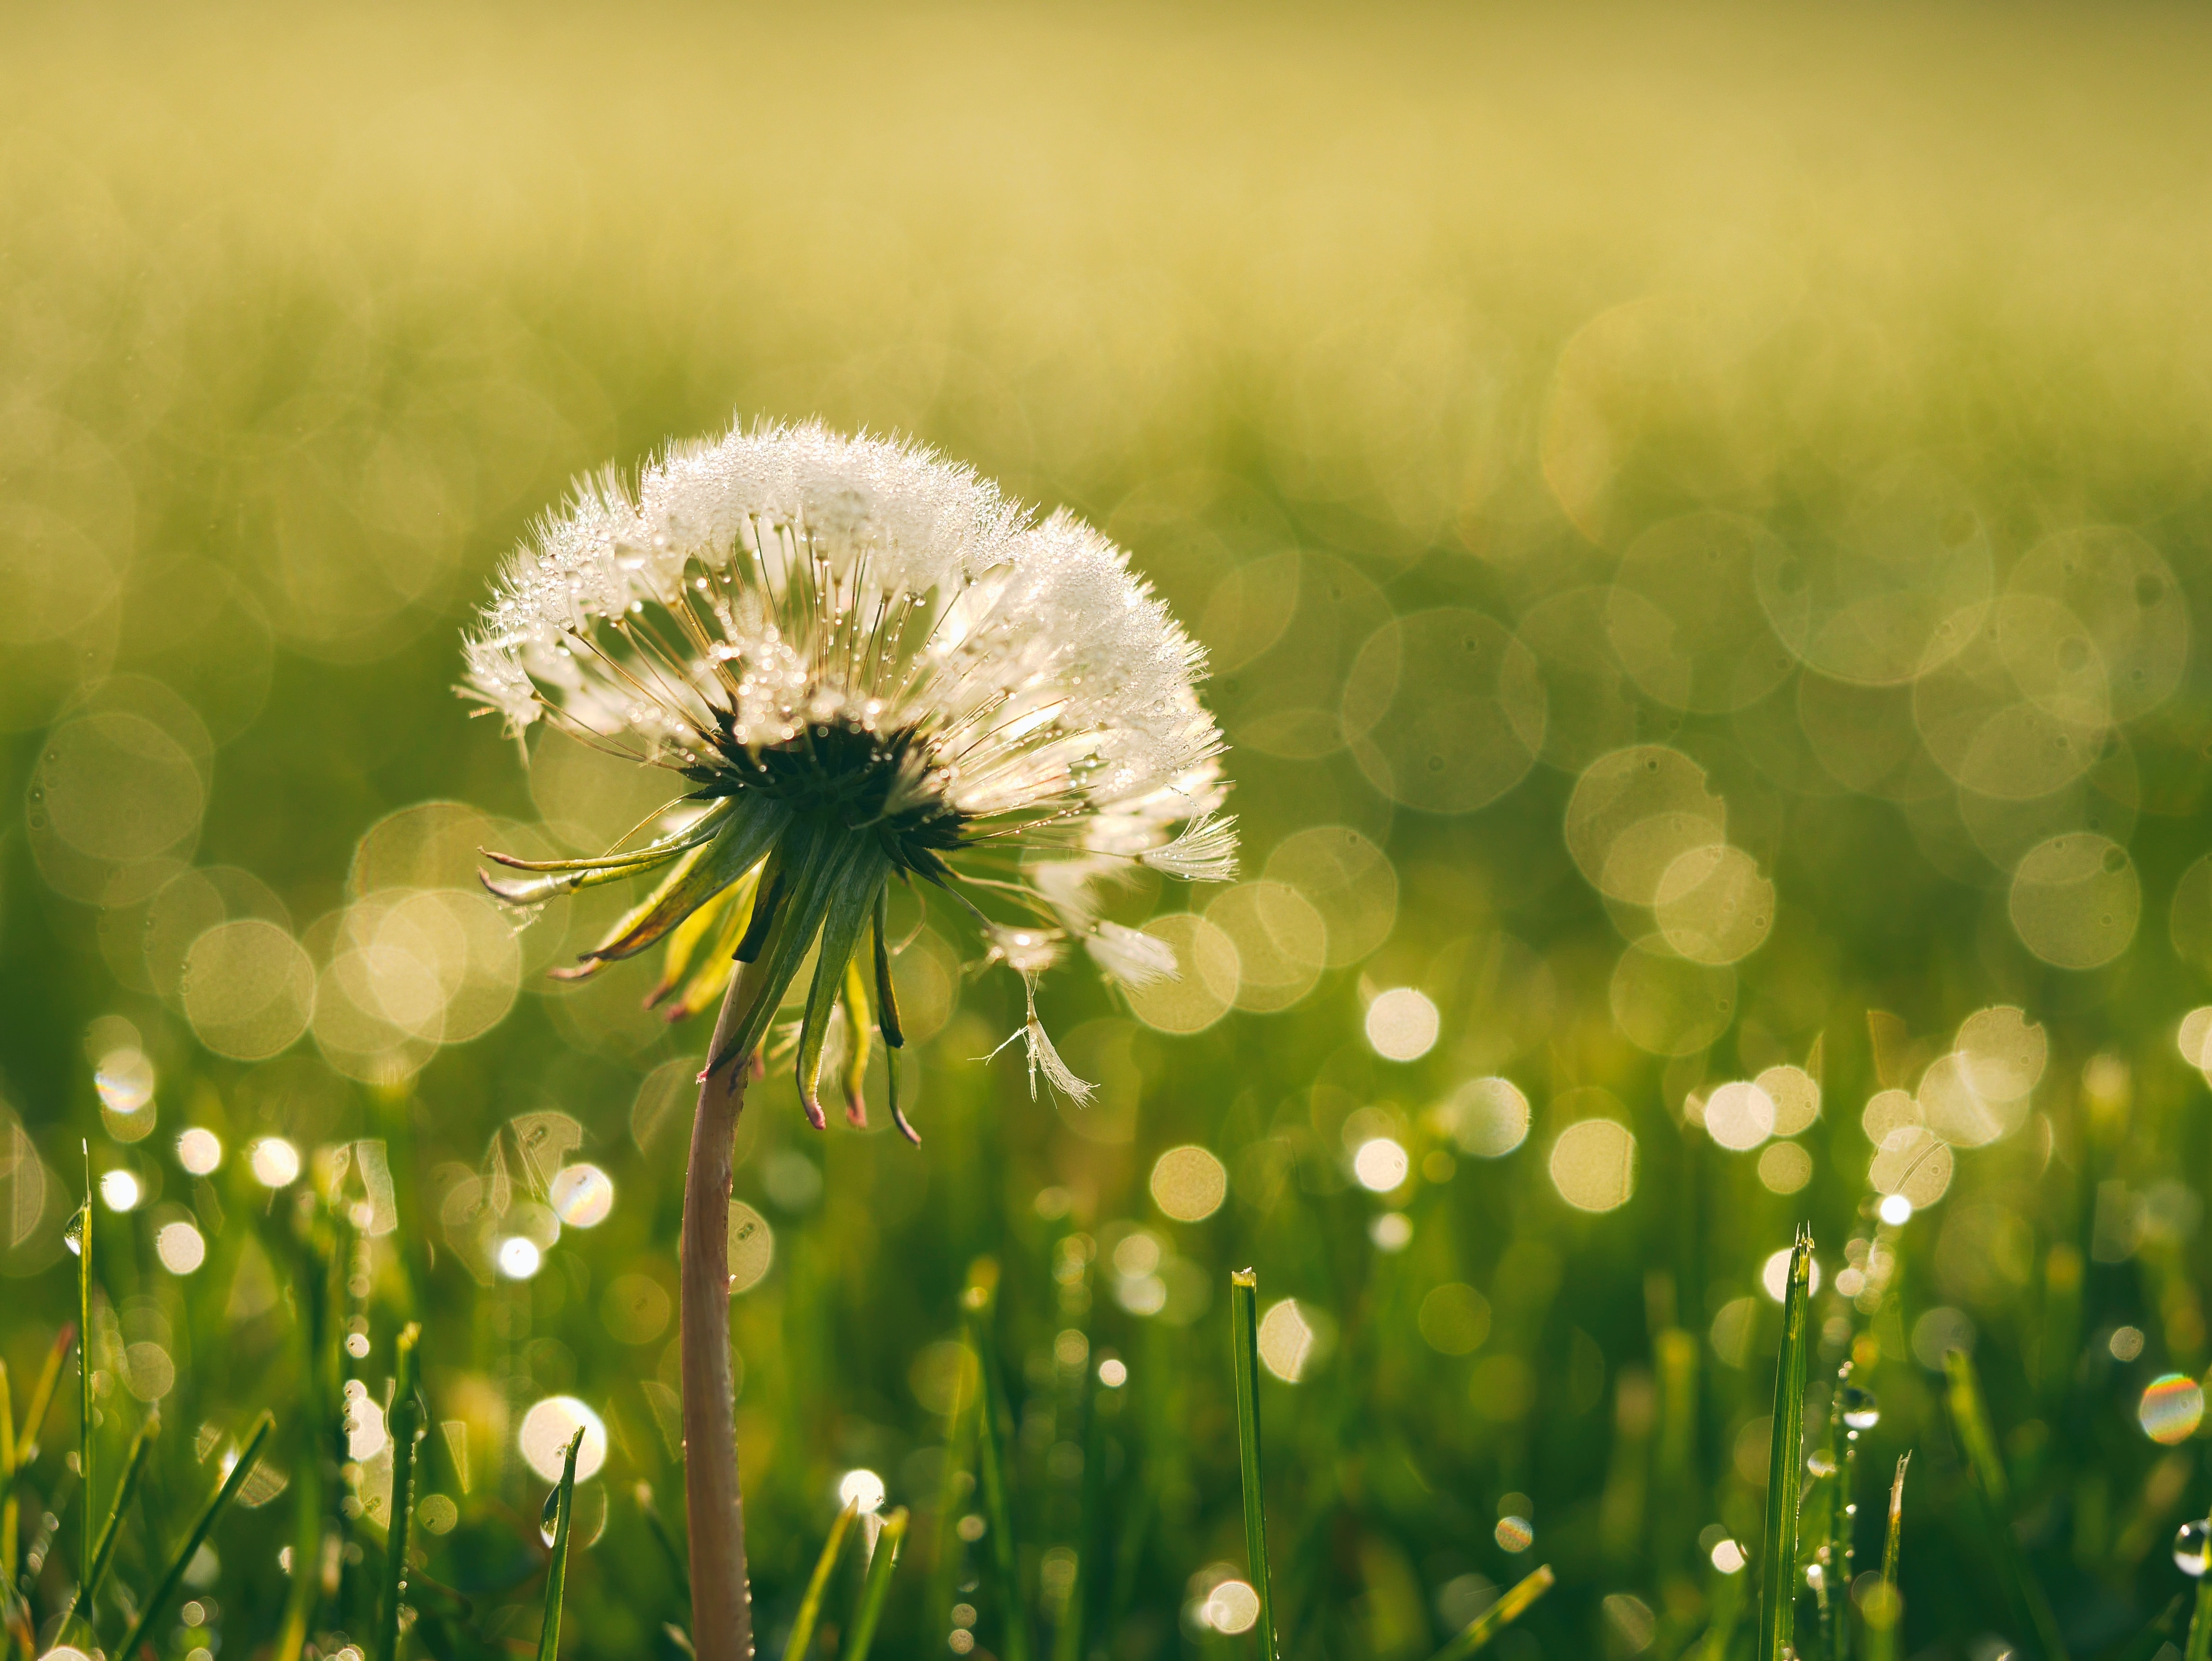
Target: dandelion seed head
(868, 665)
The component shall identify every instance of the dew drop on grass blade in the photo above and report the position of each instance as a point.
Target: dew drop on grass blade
(405, 1430)
(556, 1568)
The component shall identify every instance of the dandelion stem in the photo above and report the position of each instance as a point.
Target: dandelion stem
(1244, 1324)
(722, 1600)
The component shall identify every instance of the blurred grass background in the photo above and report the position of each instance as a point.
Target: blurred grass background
(1820, 400)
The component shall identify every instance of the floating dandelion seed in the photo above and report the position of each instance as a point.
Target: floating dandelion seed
(868, 665)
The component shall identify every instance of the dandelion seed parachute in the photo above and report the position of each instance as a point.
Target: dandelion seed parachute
(868, 666)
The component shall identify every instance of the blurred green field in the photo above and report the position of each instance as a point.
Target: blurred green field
(1700, 519)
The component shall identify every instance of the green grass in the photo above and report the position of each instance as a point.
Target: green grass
(1244, 1346)
(1480, 1632)
(875, 1590)
(810, 1607)
(560, 1509)
(1777, 1547)
(165, 1589)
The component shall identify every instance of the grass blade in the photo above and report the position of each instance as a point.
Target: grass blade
(1498, 1616)
(2200, 1624)
(979, 1303)
(405, 1429)
(556, 1570)
(157, 1605)
(1896, 1538)
(657, 1525)
(42, 1397)
(1970, 1417)
(84, 1357)
(1778, 1566)
(23, 1452)
(1077, 1613)
(951, 1499)
(876, 1591)
(1727, 1609)
(134, 1466)
(810, 1607)
(10, 1508)
(1244, 1339)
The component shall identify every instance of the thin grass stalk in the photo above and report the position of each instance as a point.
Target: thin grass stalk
(315, 1265)
(657, 1526)
(84, 1359)
(1835, 1554)
(556, 1566)
(2199, 1644)
(979, 1303)
(2200, 1624)
(2158, 1633)
(7, 1434)
(1777, 1567)
(1895, 1538)
(157, 1606)
(1847, 1520)
(405, 1429)
(876, 1591)
(42, 1397)
(810, 1607)
(1970, 1417)
(1728, 1609)
(1244, 1341)
(714, 1506)
(1499, 1616)
(23, 1450)
(951, 1497)
(1675, 1484)
(1073, 1639)
(134, 1467)
(10, 1512)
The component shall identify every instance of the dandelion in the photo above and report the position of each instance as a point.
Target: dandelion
(866, 665)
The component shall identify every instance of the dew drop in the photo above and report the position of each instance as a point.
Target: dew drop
(2192, 1548)
(358, 1344)
(1821, 1463)
(1860, 1411)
